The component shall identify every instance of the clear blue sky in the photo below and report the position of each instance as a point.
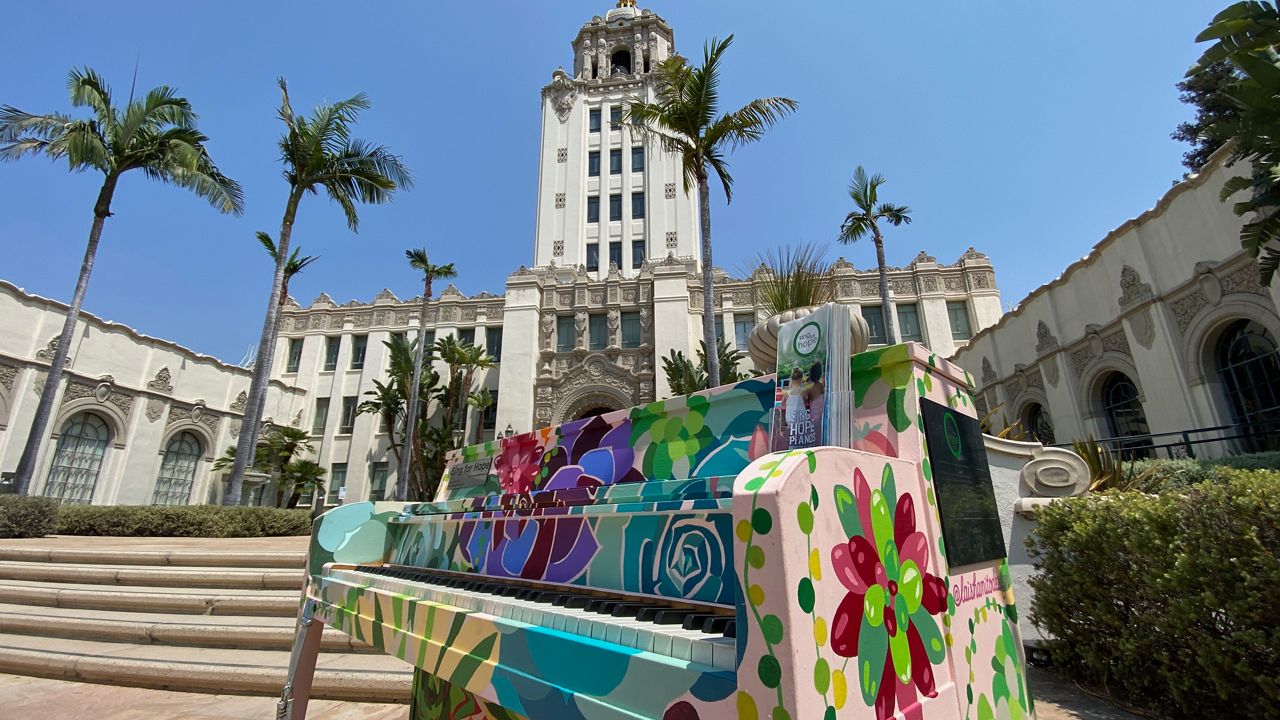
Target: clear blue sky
(1026, 129)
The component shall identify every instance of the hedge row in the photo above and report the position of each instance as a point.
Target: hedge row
(26, 517)
(181, 521)
(1163, 475)
(1170, 599)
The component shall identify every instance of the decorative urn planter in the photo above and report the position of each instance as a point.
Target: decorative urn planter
(762, 345)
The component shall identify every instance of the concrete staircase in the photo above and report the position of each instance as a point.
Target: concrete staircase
(196, 618)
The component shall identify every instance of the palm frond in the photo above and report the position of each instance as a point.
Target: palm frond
(267, 244)
(856, 226)
(894, 214)
(160, 108)
(89, 89)
(417, 258)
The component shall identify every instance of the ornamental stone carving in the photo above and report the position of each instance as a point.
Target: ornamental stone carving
(953, 283)
(1054, 472)
(669, 191)
(361, 320)
(1051, 370)
(844, 288)
(155, 408)
(597, 296)
(1045, 341)
(870, 289)
(979, 281)
(1144, 327)
(930, 283)
(76, 391)
(241, 401)
(469, 313)
(234, 429)
(300, 324)
(580, 329)
(972, 254)
(988, 372)
(903, 286)
(49, 350)
(386, 296)
(1132, 289)
(924, 257)
(1244, 279)
(1080, 359)
(614, 322)
(163, 381)
(548, 330)
(562, 93)
(8, 374)
(1116, 342)
(1187, 307)
(493, 312)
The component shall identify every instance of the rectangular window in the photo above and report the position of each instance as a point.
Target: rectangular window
(489, 420)
(593, 209)
(493, 343)
(637, 159)
(359, 344)
(597, 332)
(615, 207)
(321, 417)
(378, 481)
(615, 161)
(631, 330)
(615, 117)
(875, 321)
(337, 483)
(958, 315)
(742, 327)
(593, 163)
(637, 205)
(348, 421)
(564, 333)
(466, 336)
(615, 254)
(430, 338)
(909, 323)
(593, 257)
(331, 346)
(595, 120)
(637, 254)
(719, 322)
(295, 355)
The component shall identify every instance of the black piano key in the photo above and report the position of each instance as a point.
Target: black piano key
(669, 616)
(561, 599)
(627, 609)
(606, 607)
(578, 602)
(716, 624)
(649, 612)
(695, 621)
(731, 630)
(511, 591)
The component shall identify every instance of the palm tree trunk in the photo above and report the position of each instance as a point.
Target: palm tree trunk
(708, 291)
(262, 366)
(411, 418)
(890, 327)
(44, 410)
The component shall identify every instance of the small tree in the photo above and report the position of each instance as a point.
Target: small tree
(684, 377)
(418, 261)
(155, 134)
(1207, 92)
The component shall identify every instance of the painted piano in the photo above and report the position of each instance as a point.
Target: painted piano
(660, 563)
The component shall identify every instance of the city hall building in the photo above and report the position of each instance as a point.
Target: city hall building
(612, 287)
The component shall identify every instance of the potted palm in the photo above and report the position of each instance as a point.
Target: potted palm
(791, 282)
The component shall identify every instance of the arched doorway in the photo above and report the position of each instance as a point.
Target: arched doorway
(1248, 363)
(177, 470)
(78, 459)
(594, 411)
(1038, 424)
(1125, 416)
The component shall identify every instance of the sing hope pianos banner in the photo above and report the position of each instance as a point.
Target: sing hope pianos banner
(811, 402)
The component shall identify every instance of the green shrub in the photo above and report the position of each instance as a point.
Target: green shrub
(1170, 599)
(1165, 475)
(182, 521)
(22, 516)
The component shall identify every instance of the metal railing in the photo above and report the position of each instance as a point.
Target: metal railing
(1234, 439)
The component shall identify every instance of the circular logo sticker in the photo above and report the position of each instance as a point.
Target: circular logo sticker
(951, 431)
(807, 339)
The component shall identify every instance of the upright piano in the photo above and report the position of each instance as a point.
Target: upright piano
(660, 563)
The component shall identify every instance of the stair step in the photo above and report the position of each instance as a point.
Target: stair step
(177, 576)
(285, 553)
(224, 631)
(339, 676)
(195, 601)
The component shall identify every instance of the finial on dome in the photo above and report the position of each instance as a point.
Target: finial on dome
(626, 3)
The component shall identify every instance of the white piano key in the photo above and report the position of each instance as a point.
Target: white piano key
(724, 653)
(661, 643)
(612, 633)
(703, 653)
(681, 647)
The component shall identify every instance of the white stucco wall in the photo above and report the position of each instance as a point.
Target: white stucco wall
(1149, 300)
(151, 388)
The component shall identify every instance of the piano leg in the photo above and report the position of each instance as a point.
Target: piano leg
(302, 666)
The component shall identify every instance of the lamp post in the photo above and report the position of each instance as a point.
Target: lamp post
(457, 437)
(509, 431)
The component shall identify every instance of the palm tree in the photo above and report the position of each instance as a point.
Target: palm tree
(865, 219)
(155, 134)
(684, 120)
(319, 153)
(481, 400)
(418, 261)
(294, 265)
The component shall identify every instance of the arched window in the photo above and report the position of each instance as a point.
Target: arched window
(1249, 366)
(1038, 424)
(1125, 416)
(620, 63)
(177, 470)
(78, 459)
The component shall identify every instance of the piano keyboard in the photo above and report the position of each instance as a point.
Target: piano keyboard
(693, 634)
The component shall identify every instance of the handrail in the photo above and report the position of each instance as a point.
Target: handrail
(1137, 446)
